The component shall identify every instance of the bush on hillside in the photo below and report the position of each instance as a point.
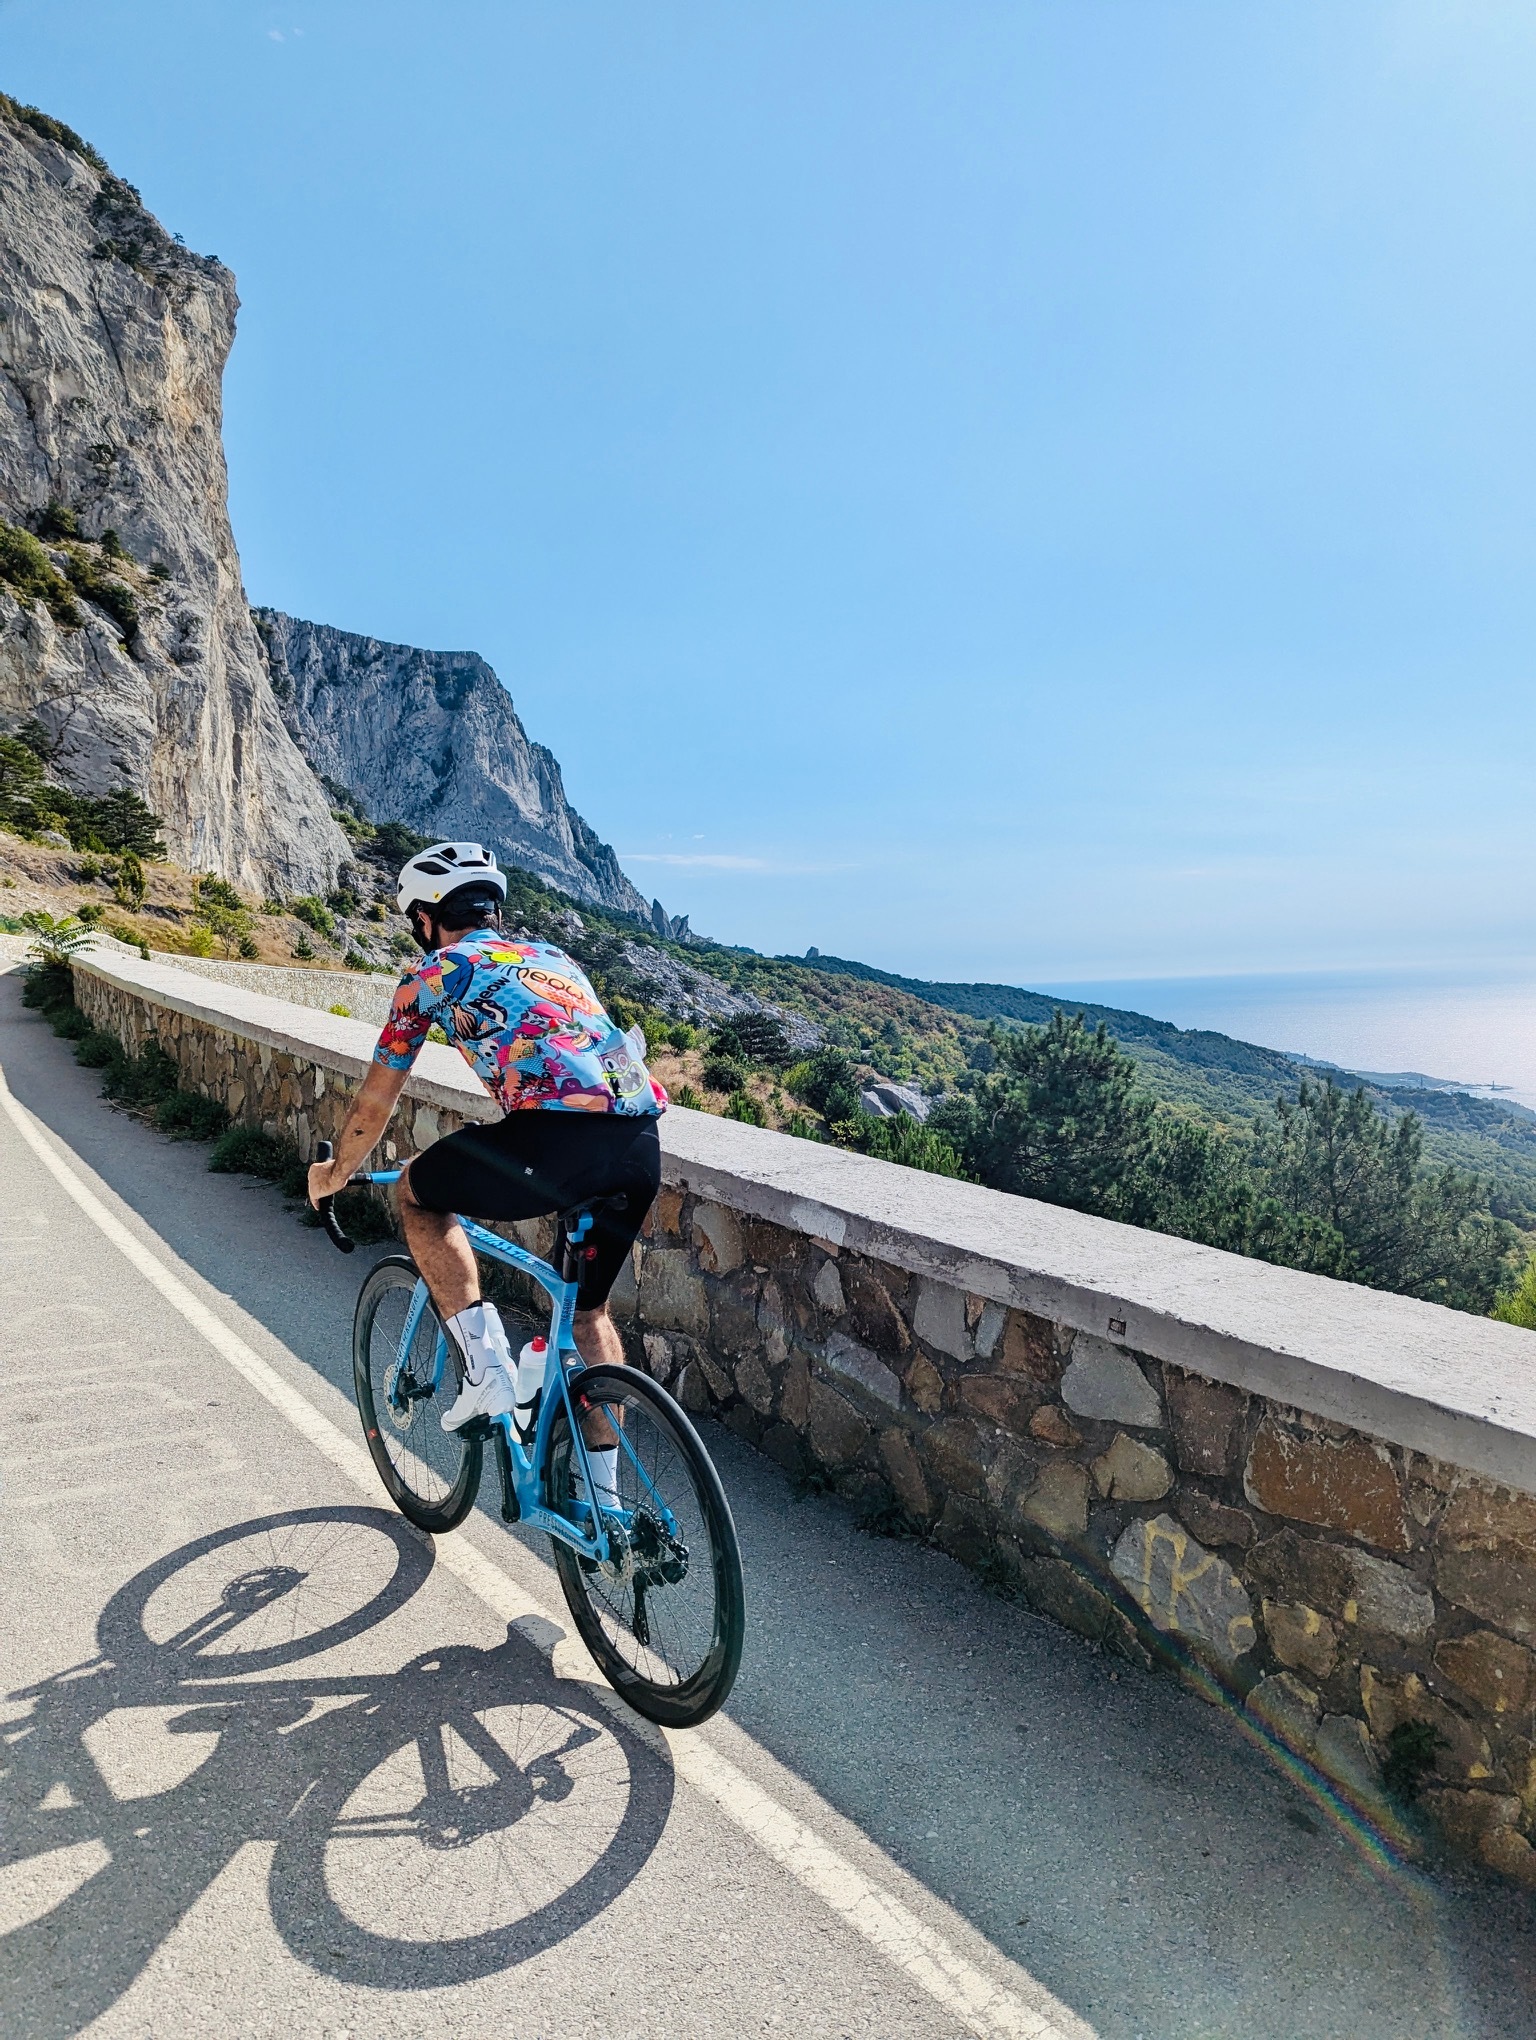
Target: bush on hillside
(115, 598)
(723, 1073)
(757, 1039)
(1517, 1304)
(314, 914)
(899, 1139)
(29, 573)
(826, 1081)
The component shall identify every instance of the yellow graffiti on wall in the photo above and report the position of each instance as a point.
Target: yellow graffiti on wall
(1181, 1577)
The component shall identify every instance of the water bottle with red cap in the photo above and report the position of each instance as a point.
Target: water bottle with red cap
(527, 1384)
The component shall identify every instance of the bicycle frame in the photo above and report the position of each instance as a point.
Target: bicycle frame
(522, 1466)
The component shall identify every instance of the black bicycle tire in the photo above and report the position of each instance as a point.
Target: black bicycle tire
(693, 1701)
(435, 1517)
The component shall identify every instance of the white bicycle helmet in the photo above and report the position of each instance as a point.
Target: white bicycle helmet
(433, 874)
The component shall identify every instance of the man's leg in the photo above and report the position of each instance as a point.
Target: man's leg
(441, 1252)
(598, 1343)
(447, 1262)
(597, 1338)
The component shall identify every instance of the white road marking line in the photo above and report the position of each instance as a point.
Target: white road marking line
(984, 2006)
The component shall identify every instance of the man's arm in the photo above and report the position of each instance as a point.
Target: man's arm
(370, 1114)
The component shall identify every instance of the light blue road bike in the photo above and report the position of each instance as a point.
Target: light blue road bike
(653, 1583)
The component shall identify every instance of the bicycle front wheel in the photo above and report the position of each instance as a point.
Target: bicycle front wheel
(665, 1614)
(432, 1475)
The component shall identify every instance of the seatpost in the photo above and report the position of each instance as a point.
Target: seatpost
(570, 1257)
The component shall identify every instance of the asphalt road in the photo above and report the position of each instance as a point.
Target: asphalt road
(274, 1764)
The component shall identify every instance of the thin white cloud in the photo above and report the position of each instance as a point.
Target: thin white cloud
(712, 860)
(719, 860)
(276, 35)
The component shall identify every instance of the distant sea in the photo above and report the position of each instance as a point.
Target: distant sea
(1476, 1028)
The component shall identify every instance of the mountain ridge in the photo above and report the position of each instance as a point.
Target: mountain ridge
(434, 740)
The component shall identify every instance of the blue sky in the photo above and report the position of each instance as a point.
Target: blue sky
(1026, 491)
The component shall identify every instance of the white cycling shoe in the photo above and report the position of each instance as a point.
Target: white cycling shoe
(491, 1396)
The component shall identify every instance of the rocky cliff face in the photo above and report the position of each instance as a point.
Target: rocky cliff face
(432, 739)
(113, 340)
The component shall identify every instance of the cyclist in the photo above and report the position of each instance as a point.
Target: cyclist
(579, 1116)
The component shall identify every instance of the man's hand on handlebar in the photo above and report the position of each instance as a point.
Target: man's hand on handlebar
(324, 1182)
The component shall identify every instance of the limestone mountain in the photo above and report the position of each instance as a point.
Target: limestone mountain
(433, 739)
(126, 634)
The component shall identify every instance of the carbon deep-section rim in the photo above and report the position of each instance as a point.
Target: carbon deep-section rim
(665, 1617)
(431, 1475)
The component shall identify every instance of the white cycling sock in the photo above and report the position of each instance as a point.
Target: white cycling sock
(605, 1475)
(483, 1339)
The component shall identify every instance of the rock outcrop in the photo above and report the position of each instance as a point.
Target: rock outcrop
(113, 339)
(432, 739)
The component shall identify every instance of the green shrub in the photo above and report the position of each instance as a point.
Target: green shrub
(213, 891)
(27, 570)
(57, 521)
(97, 1050)
(130, 885)
(48, 984)
(355, 960)
(723, 1073)
(113, 546)
(69, 1023)
(403, 945)
(304, 949)
(184, 1115)
(249, 948)
(144, 1079)
(55, 942)
(247, 1151)
(342, 1012)
(1517, 1306)
(826, 1081)
(91, 912)
(314, 914)
(900, 1139)
(759, 1039)
(743, 1106)
(803, 1127)
(273, 906)
(690, 1099)
(113, 597)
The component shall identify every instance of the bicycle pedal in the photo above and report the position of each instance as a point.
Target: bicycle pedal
(477, 1427)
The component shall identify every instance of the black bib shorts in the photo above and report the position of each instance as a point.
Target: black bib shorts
(535, 1162)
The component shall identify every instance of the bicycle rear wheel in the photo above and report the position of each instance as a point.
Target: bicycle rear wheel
(665, 1614)
(432, 1476)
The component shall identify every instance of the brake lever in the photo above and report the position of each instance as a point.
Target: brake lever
(333, 1227)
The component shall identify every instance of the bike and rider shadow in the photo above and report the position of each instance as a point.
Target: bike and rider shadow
(431, 1824)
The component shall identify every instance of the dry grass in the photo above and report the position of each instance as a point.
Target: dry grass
(36, 875)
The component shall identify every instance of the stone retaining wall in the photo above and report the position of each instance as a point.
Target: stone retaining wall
(1330, 1520)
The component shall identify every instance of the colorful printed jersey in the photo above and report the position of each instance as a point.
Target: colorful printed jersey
(526, 1021)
